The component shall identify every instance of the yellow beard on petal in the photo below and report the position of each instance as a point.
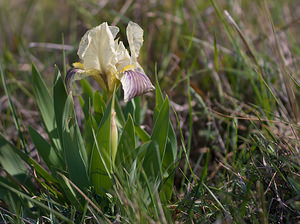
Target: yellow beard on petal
(77, 65)
(128, 67)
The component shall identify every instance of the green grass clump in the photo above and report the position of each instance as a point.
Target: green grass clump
(230, 72)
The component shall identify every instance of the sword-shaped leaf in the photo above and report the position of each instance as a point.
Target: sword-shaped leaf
(101, 155)
(45, 104)
(74, 151)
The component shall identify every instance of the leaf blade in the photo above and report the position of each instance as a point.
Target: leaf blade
(101, 161)
(74, 151)
(45, 150)
(46, 106)
(126, 147)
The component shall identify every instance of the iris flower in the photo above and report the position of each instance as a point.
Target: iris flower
(107, 60)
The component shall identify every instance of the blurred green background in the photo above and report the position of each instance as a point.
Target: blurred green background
(179, 38)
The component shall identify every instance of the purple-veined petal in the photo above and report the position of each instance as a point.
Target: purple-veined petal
(135, 83)
(70, 78)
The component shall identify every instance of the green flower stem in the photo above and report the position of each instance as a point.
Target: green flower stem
(110, 91)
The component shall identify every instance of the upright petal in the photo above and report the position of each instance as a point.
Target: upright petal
(135, 39)
(84, 42)
(97, 49)
(114, 30)
(135, 83)
(123, 58)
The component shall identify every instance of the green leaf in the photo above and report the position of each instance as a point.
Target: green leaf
(130, 109)
(295, 185)
(168, 165)
(159, 99)
(168, 169)
(99, 106)
(4, 194)
(59, 99)
(173, 141)
(14, 202)
(45, 104)
(89, 125)
(39, 169)
(69, 192)
(119, 114)
(16, 170)
(152, 163)
(86, 98)
(38, 203)
(74, 152)
(86, 88)
(164, 134)
(133, 107)
(126, 148)
(12, 108)
(46, 151)
(86, 102)
(161, 128)
(141, 151)
(156, 150)
(205, 168)
(137, 112)
(143, 135)
(101, 154)
(11, 162)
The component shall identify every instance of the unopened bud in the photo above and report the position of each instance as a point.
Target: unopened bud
(113, 137)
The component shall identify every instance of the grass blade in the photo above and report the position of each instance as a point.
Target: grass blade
(34, 201)
(11, 106)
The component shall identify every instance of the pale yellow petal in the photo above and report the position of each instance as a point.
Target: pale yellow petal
(135, 39)
(84, 42)
(97, 49)
(114, 30)
(123, 58)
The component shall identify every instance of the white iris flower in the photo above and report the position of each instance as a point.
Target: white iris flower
(108, 61)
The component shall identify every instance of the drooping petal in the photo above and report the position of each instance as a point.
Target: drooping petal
(139, 68)
(135, 39)
(72, 75)
(97, 50)
(75, 74)
(135, 83)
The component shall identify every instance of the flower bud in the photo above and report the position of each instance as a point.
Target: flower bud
(113, 137)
